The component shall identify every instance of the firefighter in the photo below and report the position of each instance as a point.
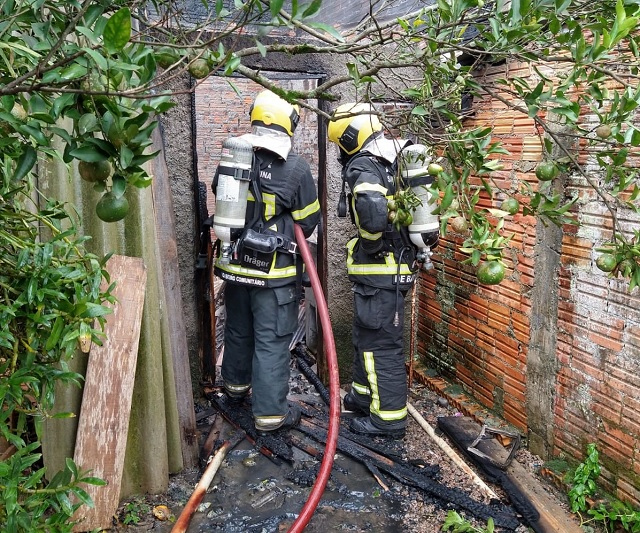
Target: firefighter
(261, 294)
(381, 267)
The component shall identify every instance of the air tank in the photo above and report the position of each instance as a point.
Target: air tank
(424, 230)
(234, 176)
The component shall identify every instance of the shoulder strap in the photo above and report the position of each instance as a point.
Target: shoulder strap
(342, 200)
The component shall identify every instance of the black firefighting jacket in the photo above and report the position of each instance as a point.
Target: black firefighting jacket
(380, 256)
(288, 195)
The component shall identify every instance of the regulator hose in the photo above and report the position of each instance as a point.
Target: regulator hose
(334, 388)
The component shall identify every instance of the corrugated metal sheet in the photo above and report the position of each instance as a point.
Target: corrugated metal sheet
(153, 447)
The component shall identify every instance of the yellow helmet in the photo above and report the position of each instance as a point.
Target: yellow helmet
(351, 132)
(271, 111)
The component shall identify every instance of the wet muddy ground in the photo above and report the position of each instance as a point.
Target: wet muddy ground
(251, 493)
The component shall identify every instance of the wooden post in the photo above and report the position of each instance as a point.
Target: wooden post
(103, 423)
(168, 261)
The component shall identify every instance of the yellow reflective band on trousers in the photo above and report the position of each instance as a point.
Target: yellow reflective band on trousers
(374, 407)
(269, 423)
(360, 389)
(237, 389)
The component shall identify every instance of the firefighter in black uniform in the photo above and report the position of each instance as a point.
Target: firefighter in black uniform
(381, 266)
(260, 292)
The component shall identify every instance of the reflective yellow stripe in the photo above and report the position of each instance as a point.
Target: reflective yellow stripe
(274, 273)
(237, 388)
(364, 233)
(360, 389)
(373, 270)
(304, 213)
(269, 423)
(369, 365)
(369, 236)
(365, 187)
(400, 414)
(269, 201)
(389, 267)
(372, 378)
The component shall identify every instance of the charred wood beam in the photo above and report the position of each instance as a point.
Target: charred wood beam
(308, 372)
(212, 437)
(502, 515)
(239, 415)
(320, 419)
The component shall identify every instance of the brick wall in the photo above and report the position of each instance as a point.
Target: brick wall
(578, 327)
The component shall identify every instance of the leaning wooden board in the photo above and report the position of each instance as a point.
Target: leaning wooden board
(553, 518)
(106, 401)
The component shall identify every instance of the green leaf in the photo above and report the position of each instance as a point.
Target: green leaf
(117, 32)
(119, 185)
(98, 58)
(126, 156)
(95, 310)
(25, 163)
(261, 48)
(89, 153)
(87, 123)
(275, 6)
(312, 8)
(327, 28)
(34, 132)
(53, 338)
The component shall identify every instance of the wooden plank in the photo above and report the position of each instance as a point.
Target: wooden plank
(103, 423)
(553, 518)
(168, 264)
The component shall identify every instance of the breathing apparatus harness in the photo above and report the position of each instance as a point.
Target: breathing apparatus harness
(257, 237)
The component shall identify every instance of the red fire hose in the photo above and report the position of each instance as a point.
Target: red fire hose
(334, 388)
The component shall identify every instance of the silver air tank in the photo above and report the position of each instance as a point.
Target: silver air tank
(234, 175)
(424, 230)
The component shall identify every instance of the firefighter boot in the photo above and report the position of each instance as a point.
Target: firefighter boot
(291, 419)
(365, 426)
(351, 404)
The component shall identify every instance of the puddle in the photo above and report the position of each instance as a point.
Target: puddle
(252, 494)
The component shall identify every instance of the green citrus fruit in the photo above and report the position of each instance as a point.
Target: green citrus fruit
(166, 56)
(392, 205)
(627, 267)
(402, 215)
(606, 262)
(408, 220)
(93, 171)
(546, 171)
(434, 169)
(391, 216)
(94, 82)
(199, 68)
(110, 208)
(459, 224)
(603, 131)
(490, 272)
(510, 205)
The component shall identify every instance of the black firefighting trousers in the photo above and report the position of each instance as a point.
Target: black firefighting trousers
(379, 375)
(259, 325)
